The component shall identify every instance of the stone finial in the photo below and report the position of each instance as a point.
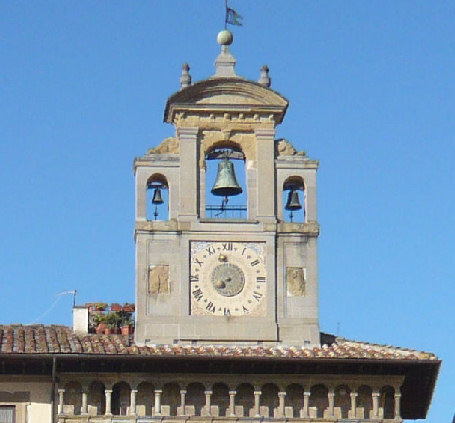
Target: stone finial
(265, 78)
(185, 79)
(225, 62)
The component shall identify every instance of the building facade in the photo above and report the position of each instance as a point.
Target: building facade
(226, 318)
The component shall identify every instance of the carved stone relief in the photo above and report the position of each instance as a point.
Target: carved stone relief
(284, 148)
(169, 145)
(158, 279)
(295, 281)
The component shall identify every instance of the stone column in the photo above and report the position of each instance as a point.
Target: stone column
(182, 401)
(232, 395)
(158, 393)
(84, 407)
(189, 193)
(375, 396)
(331, 396)
(397, 405)
(306, 403)
(108, 394)
(353, 410)
(61, 393)
(208, 404)
(266, 174)
(281, 398)
(133, 402)
(257, 403)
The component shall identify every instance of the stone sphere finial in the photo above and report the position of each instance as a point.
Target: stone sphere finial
(225, 37)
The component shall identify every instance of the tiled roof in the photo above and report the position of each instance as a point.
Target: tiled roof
(40, 339)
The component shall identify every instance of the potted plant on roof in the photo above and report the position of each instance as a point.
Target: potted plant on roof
(129, 307)
(99, 322)
(100, 306)
(113, 320)
(126, 326)
(116, 307)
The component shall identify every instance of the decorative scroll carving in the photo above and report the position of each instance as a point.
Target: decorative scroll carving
(284, 148)
(169, 145)
(295, 281)
(158, 279)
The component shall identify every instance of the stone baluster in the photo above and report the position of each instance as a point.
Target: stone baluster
(306, 403)
(375, 396)
(158, 393)
(108, 394)
(208, 405)
(232, 395)
(331, 397)
(84, 406)
(257, 403)
(281, 399)
(397, 405)
(353, 410)
(61, 393)
(133, 402)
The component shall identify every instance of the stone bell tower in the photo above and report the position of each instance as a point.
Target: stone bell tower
(241, 274)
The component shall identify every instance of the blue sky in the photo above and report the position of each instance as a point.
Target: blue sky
(371, 86)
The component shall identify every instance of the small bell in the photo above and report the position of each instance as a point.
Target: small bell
(157, 199)
(226, 183)
(293, 202)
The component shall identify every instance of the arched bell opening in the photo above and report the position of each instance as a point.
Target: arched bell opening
(294, 200)
(226, 191)
(157, 198)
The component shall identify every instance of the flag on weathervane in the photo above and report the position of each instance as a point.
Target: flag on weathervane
(232, 17)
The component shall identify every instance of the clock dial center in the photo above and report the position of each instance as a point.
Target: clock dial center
(228, 279)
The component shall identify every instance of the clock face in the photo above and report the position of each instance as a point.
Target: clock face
(227, 278)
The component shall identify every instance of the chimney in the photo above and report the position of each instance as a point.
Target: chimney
(80, 320)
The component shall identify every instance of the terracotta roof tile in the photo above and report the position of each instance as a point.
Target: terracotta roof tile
(40, 339)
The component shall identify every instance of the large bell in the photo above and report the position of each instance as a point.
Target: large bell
(157, 199)
(226, 183)
(293, 202)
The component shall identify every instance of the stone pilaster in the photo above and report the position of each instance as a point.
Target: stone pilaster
(266, 174)
(189, 190)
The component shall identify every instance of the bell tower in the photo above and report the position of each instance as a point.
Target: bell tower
(208, 270)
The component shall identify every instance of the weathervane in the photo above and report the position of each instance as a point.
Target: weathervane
(232, 17)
